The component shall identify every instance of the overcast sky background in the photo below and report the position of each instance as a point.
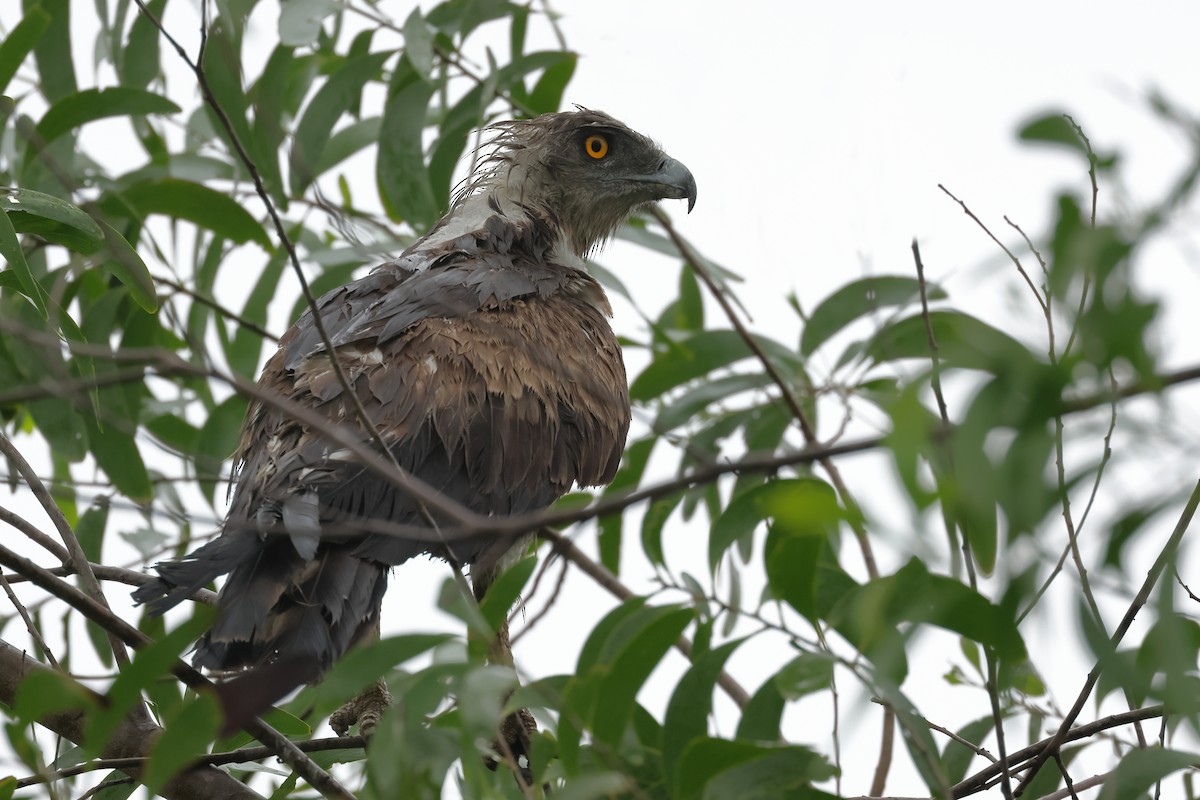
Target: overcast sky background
(817, 134)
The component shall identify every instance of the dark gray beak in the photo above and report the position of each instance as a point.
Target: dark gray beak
(672, 180)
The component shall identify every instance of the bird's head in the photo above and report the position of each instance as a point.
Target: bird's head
(582, 170)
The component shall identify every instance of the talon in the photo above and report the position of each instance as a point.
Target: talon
(364, 710)
(516, 734)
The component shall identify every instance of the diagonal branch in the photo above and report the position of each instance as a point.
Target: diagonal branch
(1168, 553)
(308, 769)
(77, 559)
(132, 738)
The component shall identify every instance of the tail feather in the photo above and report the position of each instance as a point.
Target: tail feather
(179, 580)
(286, 617)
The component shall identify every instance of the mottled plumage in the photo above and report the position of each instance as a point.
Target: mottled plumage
(484, 359)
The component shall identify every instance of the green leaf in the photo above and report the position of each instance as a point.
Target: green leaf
(400, 168)
(763, 714)
(687, 712)
(193, 202)
(348, 141)
(10, 248)
(683, 409)
(139, 63)
(363, 665)
(546, 95)
(53, 51)
(217, 439)
(300, 20)
(223, 72)
(503, 592)
(653, 521)
(243, 351)
(956, 758)
(51, 218)
(869, 616)
(1053, 128)
(798, 506)
(46, 691)
(148, 665)
(804, 675)
(717, 769)
(629, 475)
(127, 266)
(859, 299)
(117, 454)
(963, 342)
(90, 529)
(186, 734)
(418, 44)
(697, 355)
(95, 104)
(341, 92)
(20, 40)
(656, 632)
(1141, 769)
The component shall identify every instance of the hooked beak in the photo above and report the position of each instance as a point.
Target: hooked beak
(672, 180)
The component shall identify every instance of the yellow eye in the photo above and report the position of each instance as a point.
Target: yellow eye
(596, 146)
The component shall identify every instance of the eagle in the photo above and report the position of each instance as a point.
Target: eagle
(483, 359)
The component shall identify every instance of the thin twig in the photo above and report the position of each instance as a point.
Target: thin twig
(554, 593)
(77, 558)
(1070, 789)
(205, 300)
(34, 633)
(1066, 776)
(1160, 563)
(998, 718)
(1007, 252)
(245, 755)
(979, 780)
(948, 517)
(699, 266)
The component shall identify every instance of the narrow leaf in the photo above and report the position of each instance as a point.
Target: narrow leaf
(52, 218)
(129, 269)
(10, 248)
(20, 41)
(332, 100)
(193, 202)
(94, 104)
(859, 299)
(401, 172)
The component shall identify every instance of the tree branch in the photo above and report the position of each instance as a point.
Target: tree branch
(1160, 563)
(132, 738)
(317, 777)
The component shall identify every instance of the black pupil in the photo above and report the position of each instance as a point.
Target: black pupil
(594, 144)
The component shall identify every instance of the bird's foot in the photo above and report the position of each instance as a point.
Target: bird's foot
(516, 733)
(365, 710)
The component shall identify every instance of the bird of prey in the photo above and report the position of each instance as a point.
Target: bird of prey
(484, 360)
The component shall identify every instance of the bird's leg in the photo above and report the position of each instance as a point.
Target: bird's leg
(518, 728)
(368, 706)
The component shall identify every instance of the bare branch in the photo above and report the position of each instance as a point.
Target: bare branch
(1160, 563)
(77, 559)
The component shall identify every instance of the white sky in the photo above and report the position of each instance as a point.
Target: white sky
(817, 134)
